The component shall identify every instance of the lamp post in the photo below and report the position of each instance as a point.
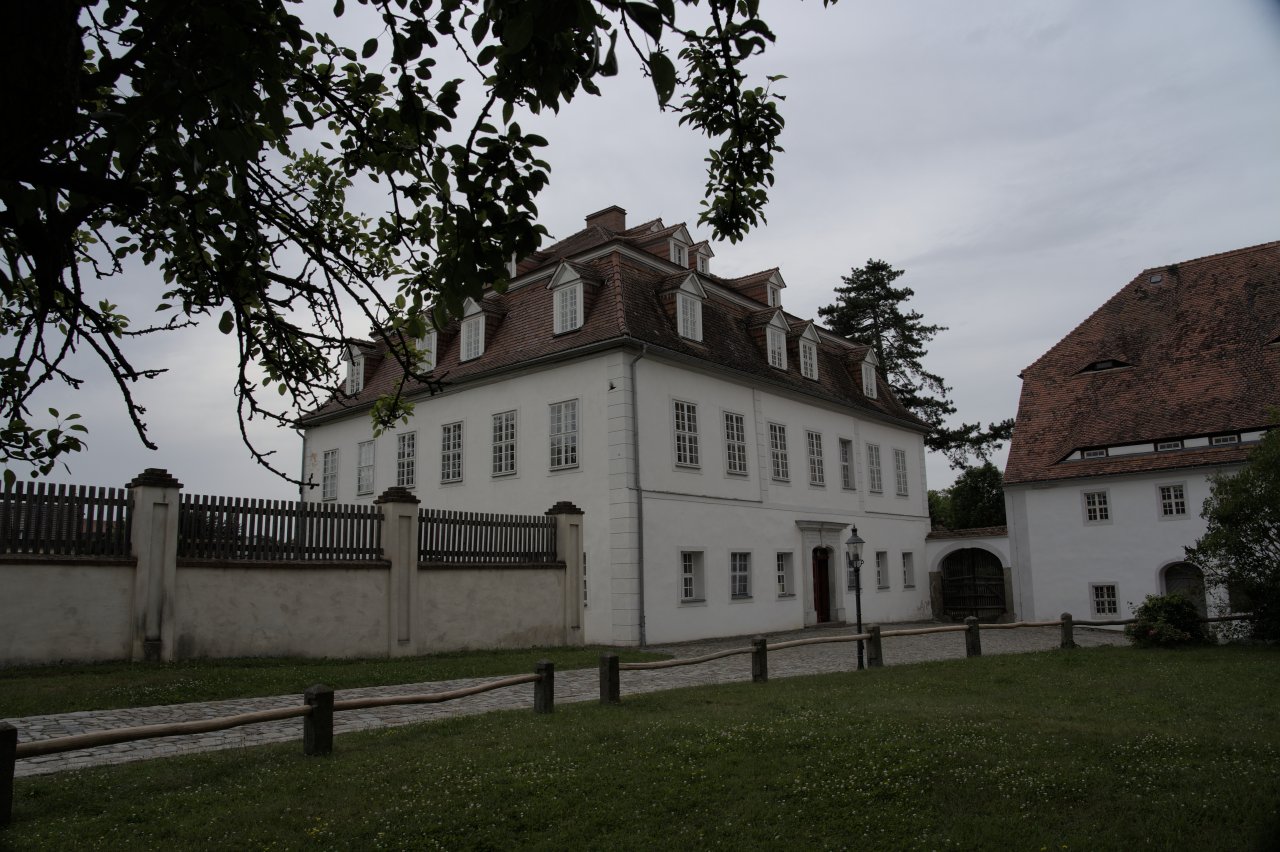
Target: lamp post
(853, 558)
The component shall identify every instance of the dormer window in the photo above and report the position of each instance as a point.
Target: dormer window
(808, 359)
(1167, 446)
(869, 379)
(472, 338)
(777, 348)
(355, 372)
(775, 296)
(568, 308)
(426, 346)
(1223, 440)
(690, 312)
(1093, 454)
(679, 253)
(704, 264)
(1105, 364)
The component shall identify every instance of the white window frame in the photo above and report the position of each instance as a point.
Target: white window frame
(692, 587)
(472, 339)
(900, 473)
(689, 311)
(684, 423)
(777, 339)
(364, 467)
(329, 475)
(875, 479)
(785, 562)
(735, 444)
(779, 463)
(1173, 504)
(1104, 599)
(809, 359)
(774, 296)
(1166, 446)
(1096, 505)
(407, 459)
(504, 444)
(451, 452)
(882, 570)
(848, 479)
(817, 475)
(868, 380)
(355, 373)
(908, 569)
(740, 575)
(427, 351)
(1224, 440)
(704, 263)
(567, 313)
(679, 253)
(563, 434)
(1093, 454)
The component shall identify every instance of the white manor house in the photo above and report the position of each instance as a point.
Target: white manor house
(720, 448)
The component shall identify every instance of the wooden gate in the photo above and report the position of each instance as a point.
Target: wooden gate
(973, 584)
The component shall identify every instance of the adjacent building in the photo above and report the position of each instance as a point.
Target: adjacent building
(720, 447)
(1121, 424)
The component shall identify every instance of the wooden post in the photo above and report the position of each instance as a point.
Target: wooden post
(610, 685)
(759, 660)
(1068, 636)
(972, 638)
(8, 760)
(317, 726)
(544, 691)
(875, 651)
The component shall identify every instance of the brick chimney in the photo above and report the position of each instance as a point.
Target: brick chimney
(610, 218)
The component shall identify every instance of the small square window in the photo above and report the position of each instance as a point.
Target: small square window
(1103, 599)
(1097, 509)
(1173, 501)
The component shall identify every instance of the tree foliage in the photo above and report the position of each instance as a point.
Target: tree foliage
(1240, 550)
(975, 499)
(219, 141)
(869, 310)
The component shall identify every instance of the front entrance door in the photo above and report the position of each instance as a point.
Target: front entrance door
(821, 585)
(1183, 578)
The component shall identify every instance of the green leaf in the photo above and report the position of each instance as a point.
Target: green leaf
(518, 32)
(647, 18)
(338, 8)
(664, 76)
(370, 48)
(227, 323)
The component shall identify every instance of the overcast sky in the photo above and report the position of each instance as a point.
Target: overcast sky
(1021, 161)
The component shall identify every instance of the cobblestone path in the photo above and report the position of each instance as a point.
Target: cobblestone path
(574, 685)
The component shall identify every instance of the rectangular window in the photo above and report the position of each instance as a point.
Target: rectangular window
(690, 316)
(1223, 440)
(364, 467)
(786, 585)
(564, 434)
(1096, 510)
(355, 374)
(568, 313)
(329, 476)
(869, 380)
(679, 253)
(908, 570)
(778, 452)
(472, 338)
(686, 424)
(816, 474)
(691, 576)
(451, 452)
(1104, 599)
(775, 296)
(1165, 446)
(406, 459)
(846, 463)
(1173, 501)
(777, 348)
(504, 443)
(874, 481)
(882, 569)
(735, 443)
(740, 575)
(808, 360)
(1094, 454)
(426, 346)
(900, 471)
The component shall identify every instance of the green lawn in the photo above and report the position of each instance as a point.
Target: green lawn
(33, 690)
(1107, 748)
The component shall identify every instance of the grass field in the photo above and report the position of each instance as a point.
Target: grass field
(33, 690)
(1108, 748)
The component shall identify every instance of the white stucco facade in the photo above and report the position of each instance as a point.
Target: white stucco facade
(646, 522)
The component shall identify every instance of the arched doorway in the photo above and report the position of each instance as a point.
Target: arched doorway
(822, 584)
(973, 584)
(1183, 578)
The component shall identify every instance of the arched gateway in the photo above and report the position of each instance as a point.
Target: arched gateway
(973, 584)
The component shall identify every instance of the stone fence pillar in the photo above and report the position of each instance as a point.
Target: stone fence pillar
(400, 548)
(569, 549)
(155, 495)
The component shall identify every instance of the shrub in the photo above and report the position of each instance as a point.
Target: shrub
(1166, 621)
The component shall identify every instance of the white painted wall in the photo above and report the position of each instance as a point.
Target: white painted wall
(1057, 555)
(52, 612)
(461, 609)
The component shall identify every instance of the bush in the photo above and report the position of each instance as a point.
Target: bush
(1166, 621)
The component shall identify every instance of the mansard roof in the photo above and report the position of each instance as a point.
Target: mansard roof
(1191, 354)
(628, 310)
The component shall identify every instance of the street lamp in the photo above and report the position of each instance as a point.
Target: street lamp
(853, 558)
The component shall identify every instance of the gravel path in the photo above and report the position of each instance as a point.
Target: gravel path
(576, 685)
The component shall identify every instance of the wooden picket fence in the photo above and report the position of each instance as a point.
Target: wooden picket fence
(472, 537)
(277, 530)
(65, 520)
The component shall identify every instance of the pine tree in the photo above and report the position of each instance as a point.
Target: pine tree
(869, 310)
